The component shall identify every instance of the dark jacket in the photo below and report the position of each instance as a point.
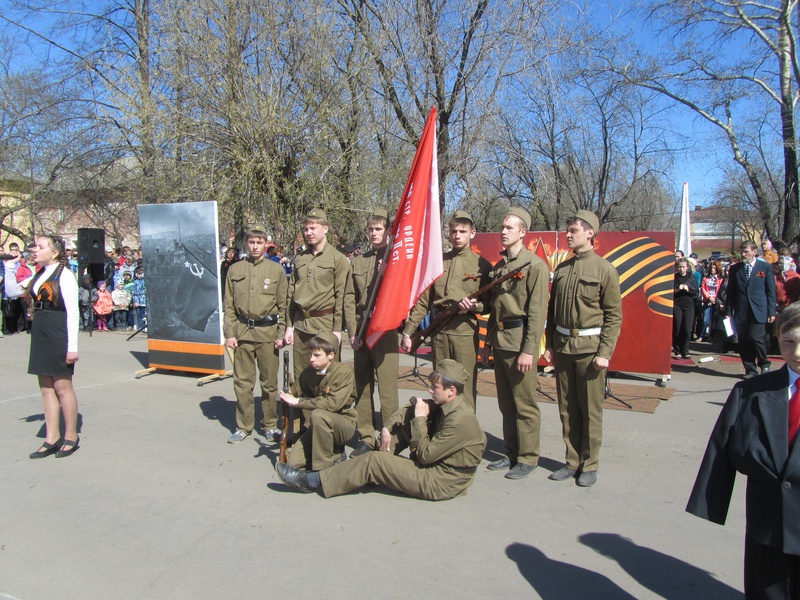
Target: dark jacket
(756, 293)
(751, 437)
(685, 298)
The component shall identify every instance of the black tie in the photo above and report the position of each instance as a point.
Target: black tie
(747, 269)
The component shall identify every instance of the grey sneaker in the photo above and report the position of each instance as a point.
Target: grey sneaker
(587, 478)
(237, 436)
(520, 471)
(562, 474)
(500, 464)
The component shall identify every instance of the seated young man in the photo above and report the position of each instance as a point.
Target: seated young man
(327, 392)
(444, 436)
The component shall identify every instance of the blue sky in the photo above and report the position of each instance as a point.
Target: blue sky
(699, 167)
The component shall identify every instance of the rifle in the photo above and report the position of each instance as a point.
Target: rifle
(441, 319)
(286, 410)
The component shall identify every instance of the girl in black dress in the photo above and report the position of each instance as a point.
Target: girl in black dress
(53, 296)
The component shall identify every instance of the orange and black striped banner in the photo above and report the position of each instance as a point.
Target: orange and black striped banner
(186, 356)
(643, 262)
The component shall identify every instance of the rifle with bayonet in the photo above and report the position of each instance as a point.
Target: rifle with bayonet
(440, 319)
(286, 410)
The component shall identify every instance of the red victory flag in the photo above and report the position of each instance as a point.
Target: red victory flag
(415, 261)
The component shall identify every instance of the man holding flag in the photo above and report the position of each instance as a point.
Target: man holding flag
(383, 360)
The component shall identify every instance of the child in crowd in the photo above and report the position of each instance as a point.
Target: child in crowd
(127, 283)
(139, 300)
(122, 301)
(103, 306)
(87, 295)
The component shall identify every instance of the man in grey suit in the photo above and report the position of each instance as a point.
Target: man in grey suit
(756, 434)
(751, 299)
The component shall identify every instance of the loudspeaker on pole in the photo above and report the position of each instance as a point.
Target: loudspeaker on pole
(91, 245)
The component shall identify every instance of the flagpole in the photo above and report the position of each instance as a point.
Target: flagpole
(685, 232)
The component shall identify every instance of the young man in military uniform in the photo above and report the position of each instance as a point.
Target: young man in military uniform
(516, 324)
(253, 325)
(317, 288)
(465, 272)
(384, 359)
(444, 436)
(325, 390)
(583, 323)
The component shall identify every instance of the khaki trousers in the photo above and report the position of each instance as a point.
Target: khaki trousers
(396, 472)
(463, 349)
(516, 397)
(581, 389)
(246, 356)
(382, 361)
(323, 442)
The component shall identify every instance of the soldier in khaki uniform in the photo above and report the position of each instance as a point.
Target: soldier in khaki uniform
(516, 324)
(465, 272)
(583, 323)
(446, 443)
(316, 290)
(326, 392)
(253, 325)
(384, 359)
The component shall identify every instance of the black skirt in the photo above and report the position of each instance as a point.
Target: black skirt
(49, 344)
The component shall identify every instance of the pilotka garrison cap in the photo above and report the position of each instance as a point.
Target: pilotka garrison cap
(523, 214)
(453, 370)
(462, 214)
(590, 218)
(330, 338)
(257, 228)
(317, 213)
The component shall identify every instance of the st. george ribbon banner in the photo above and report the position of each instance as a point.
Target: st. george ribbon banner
(415, 261)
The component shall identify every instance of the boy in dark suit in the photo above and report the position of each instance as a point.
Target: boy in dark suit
(756, 434)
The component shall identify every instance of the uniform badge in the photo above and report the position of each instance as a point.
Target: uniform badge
(266, 282)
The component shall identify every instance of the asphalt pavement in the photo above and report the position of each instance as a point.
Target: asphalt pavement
(156, 505)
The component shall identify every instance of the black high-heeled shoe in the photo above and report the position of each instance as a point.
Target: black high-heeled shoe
(72, 447)
(46, 449)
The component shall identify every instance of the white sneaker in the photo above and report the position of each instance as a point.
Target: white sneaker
(273, 435)
(238, 436)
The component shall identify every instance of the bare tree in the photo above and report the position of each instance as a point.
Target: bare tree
(456, 56)
(577, 139)
(726, 60)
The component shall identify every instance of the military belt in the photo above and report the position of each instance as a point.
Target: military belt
(579, 332)
(510, 324)
(317, 313)
(251, 323)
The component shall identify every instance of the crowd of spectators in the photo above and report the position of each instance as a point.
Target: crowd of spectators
(115, 301)
(700, 295)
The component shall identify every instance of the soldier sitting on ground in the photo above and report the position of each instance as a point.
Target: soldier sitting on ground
(444, 436)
